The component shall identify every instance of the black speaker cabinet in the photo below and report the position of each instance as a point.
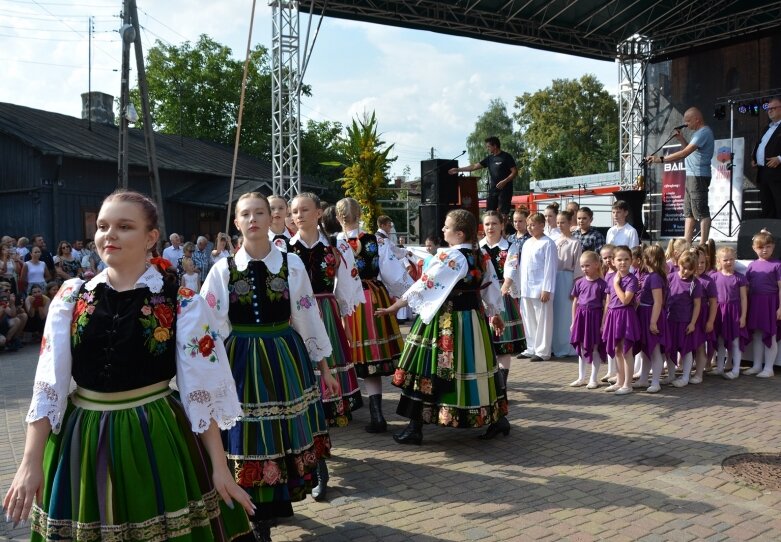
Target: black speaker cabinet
(749, 228)
(432, 219)
(635, 200)
(436, 185)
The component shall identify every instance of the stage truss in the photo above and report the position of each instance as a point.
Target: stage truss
(632, 59)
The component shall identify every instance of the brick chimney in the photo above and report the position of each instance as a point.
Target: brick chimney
(102, 107)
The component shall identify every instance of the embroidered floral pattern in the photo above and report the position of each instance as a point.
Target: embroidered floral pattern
(203, 345)
(184, 296)
(68, 294)
(239, 288)
(276, 284)
(445, 345)
(306, 302)
(82, 310)
(157, 320)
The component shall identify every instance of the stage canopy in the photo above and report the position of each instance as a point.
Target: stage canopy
(588, 28)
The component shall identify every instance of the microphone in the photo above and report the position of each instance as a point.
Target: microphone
(679, 127)
(460, 155)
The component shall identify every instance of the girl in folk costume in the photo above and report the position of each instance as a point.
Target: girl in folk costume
(338, 291)
(278, 232)
(764, 291)
(683, 311)
(568, 251)
(448, 373)
(621, 328)
(511, 341)
(120, 458)
(708, 311)
(588, 298)
(375, 340)
(732, 292)
(265, 311)
(653, 317)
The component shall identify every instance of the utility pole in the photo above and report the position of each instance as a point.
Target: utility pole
(125, 32)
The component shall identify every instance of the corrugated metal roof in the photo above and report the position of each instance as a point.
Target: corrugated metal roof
(54, 133)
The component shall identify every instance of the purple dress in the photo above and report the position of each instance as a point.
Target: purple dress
(763, 277)
(586, 334)
(708, 293)
(727, 325)
(621, 323)
(680, 304)
(649, 341)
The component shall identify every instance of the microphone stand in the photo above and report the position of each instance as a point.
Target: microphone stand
(729, 205)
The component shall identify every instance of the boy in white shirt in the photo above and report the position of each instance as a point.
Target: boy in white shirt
(622, 233)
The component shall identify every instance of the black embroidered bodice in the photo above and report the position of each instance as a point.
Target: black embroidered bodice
(466, 294)
(498, 257)
(123, 340)
(257, 296)
(321, 263)
(367, 255)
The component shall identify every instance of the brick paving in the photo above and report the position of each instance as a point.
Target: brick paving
(578, 465)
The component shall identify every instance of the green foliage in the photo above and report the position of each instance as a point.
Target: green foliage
(366, 173)
(569, 128)
(497, 122)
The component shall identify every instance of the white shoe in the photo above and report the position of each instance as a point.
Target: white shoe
(613, 379)
(718, 372)
(578, 383)
(765, 374)
(592, 385)
(695, 380)
(623, 391)
(613, 387)
(731, 375)
(639, 384)
(680, 383)
(669, 379)
(607, 377)
(654, 388)
(751, 371)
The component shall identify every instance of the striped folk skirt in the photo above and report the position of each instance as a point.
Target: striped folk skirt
(512, 340)
(448, 372)
(338, 410)
(376, 341)
(126, 466)
(275, 447)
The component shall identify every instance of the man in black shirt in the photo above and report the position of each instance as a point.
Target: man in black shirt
(501, 172)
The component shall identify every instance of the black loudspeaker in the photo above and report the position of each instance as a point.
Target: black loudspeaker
(749, 228)
(436, 185)
(432, 219)
(635, 200)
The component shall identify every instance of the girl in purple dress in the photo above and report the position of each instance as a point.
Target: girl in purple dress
(606, 255)
(588, 297)
(653, 319)
(764, 289)
(683, 311)
(675, 248)
(732, 293)
(621, 328)
(708, 309)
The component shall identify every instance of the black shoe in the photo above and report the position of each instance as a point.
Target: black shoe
(262, 529)
(320, 490)
(412, 434)
(524, 355)
(378, 423)
(536, 358)
(502, 426)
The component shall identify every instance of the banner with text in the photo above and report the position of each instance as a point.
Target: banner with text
(673, 187)
(719, 193)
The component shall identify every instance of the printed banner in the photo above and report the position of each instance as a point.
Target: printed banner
(673, 188)
(719, 193)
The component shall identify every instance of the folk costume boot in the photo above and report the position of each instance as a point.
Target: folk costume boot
(262, 529)
(412, 434)
(501, 426)
(319, 491)
(378, 423)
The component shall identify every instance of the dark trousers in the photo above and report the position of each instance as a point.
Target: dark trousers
(769, 194)
(500, 200)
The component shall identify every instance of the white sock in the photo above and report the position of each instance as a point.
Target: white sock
(638, 364)
(581, 368)
(645, 368)
(770, 356)
(737, 355)
(687, 367)
(611, 366)
(596, 360)
(757, 345)
(657, 365)
(373, 385)
(721, 355)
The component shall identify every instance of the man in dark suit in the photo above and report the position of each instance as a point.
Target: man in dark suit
(767, 159)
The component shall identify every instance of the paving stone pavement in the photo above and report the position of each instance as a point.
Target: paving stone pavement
(578, 465)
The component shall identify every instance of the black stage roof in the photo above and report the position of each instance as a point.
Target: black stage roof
(588, 28)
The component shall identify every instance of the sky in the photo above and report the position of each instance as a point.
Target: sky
(427, 89)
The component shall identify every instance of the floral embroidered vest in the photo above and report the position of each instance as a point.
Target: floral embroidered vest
(321, 263)
(498, 257)
(123, 340)
(258, 296)
(367, 255)
(466, 294)
(281, 241)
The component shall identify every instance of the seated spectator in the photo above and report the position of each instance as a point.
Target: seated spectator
(10, 324)
(65, 265)
(37, 308)
(52, 288)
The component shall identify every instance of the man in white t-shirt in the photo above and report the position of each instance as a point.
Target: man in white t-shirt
(174, 253)
(622, 233)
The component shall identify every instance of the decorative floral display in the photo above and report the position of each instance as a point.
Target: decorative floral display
(157, 320)
(203, 345)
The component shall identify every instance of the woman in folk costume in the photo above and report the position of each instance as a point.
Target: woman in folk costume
(511, 341)
(121, 458)
(265, 310)
(337, 288)
(278, 233)
(448, 373)
(375, 340)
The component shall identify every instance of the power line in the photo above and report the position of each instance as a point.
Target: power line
(20, 28)
(23, 61)
(16, 36)
(162, 23)
(63, 4)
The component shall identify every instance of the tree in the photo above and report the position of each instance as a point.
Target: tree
(368, 164)
(497, 122)
(569, 128)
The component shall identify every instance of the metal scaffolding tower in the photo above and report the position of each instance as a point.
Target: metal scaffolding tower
(285, 99)
(632, 58)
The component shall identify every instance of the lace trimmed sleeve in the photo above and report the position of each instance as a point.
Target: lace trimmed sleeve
(203, 374)
(348, 289)
(491, 292)
(393, 271)
(53, 374)
(511, 268)
(215, 292)
(429, 292)
(304, 312)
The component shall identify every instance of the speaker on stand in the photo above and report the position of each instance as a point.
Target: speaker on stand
(436, 184)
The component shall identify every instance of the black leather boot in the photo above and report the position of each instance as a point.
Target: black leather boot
(378, 423)
(502, 426)
(262, 529)
(319, 491)
(412, 434)
(505, 376)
